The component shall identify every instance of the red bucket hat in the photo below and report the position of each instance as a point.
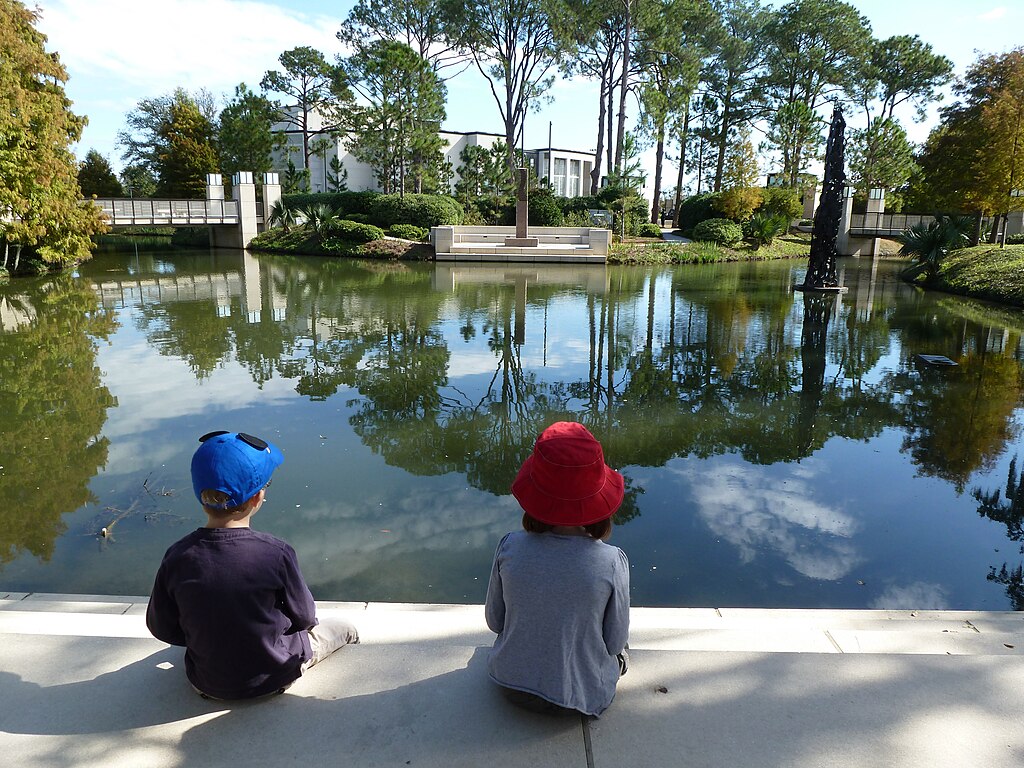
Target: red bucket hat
(565, 480)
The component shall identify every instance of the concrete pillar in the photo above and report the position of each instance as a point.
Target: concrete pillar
(1015, 223)
(214, 186)
(876, 208)
(843, 237)
(810, 197)
(243, 190)
(271, 196)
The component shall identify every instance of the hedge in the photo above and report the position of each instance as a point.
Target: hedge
(354, 231)
(419, 210)
(722, 231)
(408, 232)
(343, 202)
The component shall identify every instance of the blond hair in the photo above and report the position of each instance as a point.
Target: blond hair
(213, 502)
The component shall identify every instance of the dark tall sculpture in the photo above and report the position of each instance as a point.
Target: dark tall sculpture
(821, 272)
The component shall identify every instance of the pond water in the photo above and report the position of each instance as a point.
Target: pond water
(780, 450)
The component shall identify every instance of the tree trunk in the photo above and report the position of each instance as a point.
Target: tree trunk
(620, 134)
(595, 173)
(682, 166)
(7, 248)
(995, 229)
(659, 160)
(976, 234)
(610, 152)
(17, 258)
(723, 138)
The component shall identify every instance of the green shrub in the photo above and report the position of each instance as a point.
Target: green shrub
(649, 230)
(353, 231)
(343, 202)
(721, 231)
(764, 227)
(362, 218)
(780, 201)
(576, 219)
(420, 210)
(408, 232)
(191, 237)
(697, 208)
(543, 210)
(1015, 239)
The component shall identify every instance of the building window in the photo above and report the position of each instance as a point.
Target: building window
(559, 180)
(574, 178)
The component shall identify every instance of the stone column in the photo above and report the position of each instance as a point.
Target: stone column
(244, 192)
(522, 240)
(843, 237)
(876, 208)
(271, 196)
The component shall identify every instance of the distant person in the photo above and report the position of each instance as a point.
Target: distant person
(235, 597)
(558, 596)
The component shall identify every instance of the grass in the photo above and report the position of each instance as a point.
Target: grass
(984, 272)
(795, 245)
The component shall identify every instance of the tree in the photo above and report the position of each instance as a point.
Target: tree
(190, 153)
(514, 47)
(316, 95)
(881, 157)
(245, 132)
(734, 74)
(138, 181)
(899, 69)
(396, 127)
(96, 177)
(39, 193)
(740, 177)
(975, 157)
(173, 137)
(668, 55)
(423, 25)
(815, 48)
(795, 133)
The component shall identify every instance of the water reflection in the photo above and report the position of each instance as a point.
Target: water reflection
(777, 446)
(53, 405)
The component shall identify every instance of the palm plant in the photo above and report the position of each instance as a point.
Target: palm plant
(282, 215)
(763, 227)
(319, 216)
(928, 245)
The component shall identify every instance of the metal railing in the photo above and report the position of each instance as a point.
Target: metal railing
(886, 223)
(157, 211)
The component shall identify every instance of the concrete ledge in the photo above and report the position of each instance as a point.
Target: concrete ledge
(77, 691)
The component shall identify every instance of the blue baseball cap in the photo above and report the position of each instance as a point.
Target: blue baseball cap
(234, 463)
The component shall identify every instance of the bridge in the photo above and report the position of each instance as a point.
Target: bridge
(233, 223)
(885, 224)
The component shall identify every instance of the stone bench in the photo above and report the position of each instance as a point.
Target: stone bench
(554, 244)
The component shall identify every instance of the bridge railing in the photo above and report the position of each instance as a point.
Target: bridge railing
(887, 223)
(197, 211)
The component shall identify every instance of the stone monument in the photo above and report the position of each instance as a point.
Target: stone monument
(522, 240)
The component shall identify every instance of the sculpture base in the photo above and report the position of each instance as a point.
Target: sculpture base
(521, 242)
(821, 289)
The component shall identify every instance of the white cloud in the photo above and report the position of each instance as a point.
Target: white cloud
(996, 13)
(155, 47)
(754, 512)
(919, 595)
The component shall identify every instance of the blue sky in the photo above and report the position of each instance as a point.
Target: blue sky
(120, 51)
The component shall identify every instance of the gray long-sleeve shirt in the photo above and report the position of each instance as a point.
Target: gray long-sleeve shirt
(560, 606)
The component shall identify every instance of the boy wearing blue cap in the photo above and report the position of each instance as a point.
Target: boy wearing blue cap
(235, 597)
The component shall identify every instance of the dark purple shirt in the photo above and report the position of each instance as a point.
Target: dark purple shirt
(236, 600)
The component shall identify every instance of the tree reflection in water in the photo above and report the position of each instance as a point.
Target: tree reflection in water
(1011, 514)
(52, 410)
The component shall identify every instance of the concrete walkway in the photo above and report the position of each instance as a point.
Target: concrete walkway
(669, 236)
(83, 684)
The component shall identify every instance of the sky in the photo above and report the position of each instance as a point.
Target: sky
(118, 52)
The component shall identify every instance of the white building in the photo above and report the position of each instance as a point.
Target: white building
(568, 169)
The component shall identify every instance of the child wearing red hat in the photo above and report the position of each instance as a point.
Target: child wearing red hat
(235, 597)
(558, 595)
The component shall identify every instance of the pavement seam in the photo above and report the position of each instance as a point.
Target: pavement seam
(833, 641)
(587, 744)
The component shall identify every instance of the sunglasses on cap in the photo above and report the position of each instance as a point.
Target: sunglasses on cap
(250, 440)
